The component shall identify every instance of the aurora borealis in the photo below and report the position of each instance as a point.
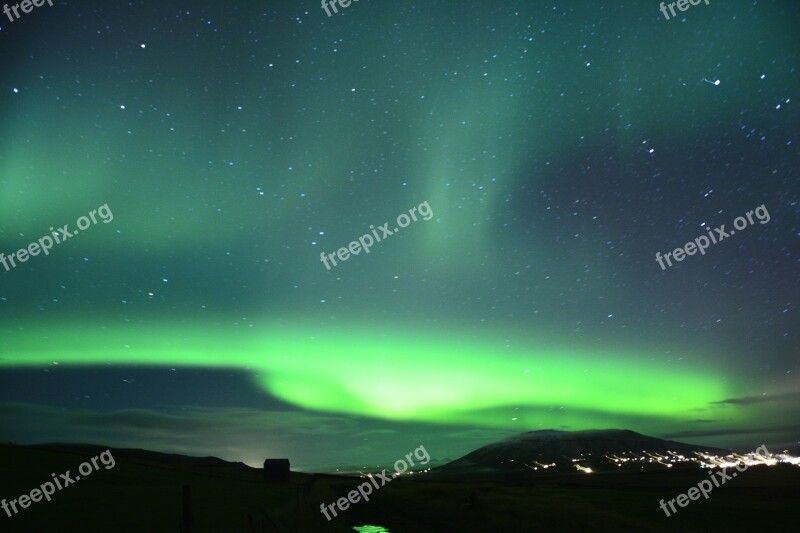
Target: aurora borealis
(559, 146)
(328, 372)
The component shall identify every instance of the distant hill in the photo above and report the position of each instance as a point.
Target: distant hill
(144, 455)
(555, 451)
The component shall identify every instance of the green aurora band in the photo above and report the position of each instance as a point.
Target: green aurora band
(397, 375)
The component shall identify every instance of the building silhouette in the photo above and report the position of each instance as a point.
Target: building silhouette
(276, 470)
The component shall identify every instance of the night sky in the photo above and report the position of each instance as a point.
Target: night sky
(559, 147)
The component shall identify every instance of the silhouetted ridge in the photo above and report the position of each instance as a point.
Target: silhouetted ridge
(565, 449)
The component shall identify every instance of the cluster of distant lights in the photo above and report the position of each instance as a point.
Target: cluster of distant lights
(398, 474)
(670, 459)
(395, 474)
(705, 460)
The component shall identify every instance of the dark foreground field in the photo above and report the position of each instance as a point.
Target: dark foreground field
(144, 494)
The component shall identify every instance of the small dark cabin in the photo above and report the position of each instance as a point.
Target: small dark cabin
(276, 470)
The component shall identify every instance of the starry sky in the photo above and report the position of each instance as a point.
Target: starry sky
(558, 146)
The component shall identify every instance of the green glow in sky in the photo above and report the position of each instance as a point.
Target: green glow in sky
(395, 374)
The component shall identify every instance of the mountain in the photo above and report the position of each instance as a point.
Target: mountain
(551, 451)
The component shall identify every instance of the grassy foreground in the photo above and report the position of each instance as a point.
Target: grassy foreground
(145, 494)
